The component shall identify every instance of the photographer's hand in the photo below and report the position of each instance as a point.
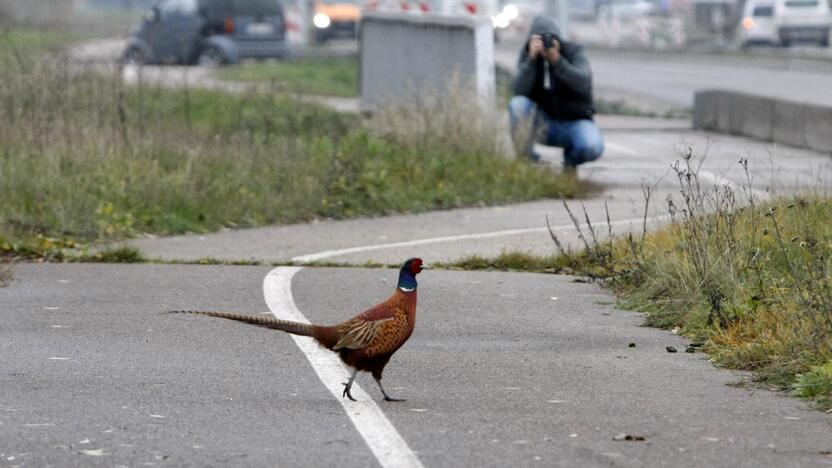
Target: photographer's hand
(535, 47)
(552, 54)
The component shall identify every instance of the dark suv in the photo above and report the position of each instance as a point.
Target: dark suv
(209, 32)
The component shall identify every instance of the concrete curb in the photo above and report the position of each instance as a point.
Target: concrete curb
(793, 123)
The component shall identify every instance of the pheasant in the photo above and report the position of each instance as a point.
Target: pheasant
(365, 342)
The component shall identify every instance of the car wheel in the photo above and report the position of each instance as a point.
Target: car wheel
(210, 57)
(133, 56)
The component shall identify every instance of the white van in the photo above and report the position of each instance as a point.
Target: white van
(757, 23)
(802, 20)
(785, 21)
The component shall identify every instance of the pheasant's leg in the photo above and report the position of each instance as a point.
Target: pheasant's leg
(348, 385)
(386, 396)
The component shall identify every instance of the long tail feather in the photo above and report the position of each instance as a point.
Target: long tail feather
(295, 328)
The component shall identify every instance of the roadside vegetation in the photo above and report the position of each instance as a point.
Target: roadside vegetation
(325, 77)
(749, 279)
(85, 158)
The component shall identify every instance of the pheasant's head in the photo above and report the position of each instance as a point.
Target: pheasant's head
(407, 275)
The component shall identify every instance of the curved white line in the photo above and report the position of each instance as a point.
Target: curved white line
(435, 240)
(388, 446)
(702, 173)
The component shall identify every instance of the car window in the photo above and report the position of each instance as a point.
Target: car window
(257, 7)
(801, 3)
(169, 8)
(763, 11)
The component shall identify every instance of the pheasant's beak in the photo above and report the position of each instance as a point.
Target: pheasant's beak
(424, 266)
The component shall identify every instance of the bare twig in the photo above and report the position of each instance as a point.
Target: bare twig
(577, 225)
(555, 239)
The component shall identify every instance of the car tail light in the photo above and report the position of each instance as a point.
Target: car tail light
(747, 23)
(228, 25)
(471, 7)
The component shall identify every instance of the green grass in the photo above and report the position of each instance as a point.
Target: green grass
(509, 261)
(84, 159)
(816, 384)
(27, 40)
(328, 77)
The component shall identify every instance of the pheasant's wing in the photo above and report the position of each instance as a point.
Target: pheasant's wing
(358, 333)
(391, 335)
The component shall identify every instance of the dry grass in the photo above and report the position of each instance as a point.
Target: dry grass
(751, 279)
(85, 158)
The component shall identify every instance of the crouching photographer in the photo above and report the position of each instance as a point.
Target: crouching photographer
(553, 98)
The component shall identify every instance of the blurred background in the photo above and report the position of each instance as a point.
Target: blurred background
(659, 24)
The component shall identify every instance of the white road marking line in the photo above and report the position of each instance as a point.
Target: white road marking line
(621, 148)
(462, 237)
(737, 188)
(388, 446)
(703, 174)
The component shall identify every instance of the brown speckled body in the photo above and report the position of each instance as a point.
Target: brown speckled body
(393, 321)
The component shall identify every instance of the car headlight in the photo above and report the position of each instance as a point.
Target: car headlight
(511, 12)
(321, 20)
(500, 21)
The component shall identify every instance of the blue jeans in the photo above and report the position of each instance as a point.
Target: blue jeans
(581, 140)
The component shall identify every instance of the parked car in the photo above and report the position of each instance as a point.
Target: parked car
(757, 25)
(209, 32)
(802, 20)
(783, 22)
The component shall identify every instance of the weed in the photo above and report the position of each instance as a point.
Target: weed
(124, 254)
(816, 383)
(5, 273)
(330, 77)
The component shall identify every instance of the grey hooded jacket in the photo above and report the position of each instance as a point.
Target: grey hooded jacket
(570, 96)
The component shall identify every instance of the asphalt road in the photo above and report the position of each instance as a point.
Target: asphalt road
(665, 80)
(657, 80)
(502, 370)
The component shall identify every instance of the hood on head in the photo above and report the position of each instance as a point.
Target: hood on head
(544, 24)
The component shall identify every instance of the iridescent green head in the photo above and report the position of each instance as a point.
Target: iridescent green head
(407, 275)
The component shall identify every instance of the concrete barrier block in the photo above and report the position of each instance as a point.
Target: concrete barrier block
(793, 123)
(751, 116)
(704, 110)
(818, 128)
(402, 54)
(789, 123)
(712, 110)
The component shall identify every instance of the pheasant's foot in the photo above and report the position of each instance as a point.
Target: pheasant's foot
(347, 387)
(387, 398)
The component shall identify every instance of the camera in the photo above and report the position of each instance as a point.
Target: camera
(549, 40)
